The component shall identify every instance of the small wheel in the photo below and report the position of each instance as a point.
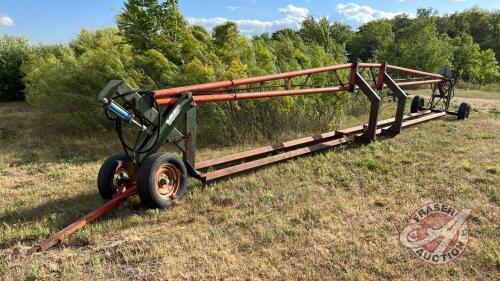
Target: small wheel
(116, 172)
(417, 104)
(162, 180)
(463, 111)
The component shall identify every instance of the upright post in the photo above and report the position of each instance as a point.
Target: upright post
(395, 128)
(190, 136)
(358, 80)
(189, 142)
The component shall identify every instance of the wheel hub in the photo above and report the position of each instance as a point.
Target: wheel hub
(168, 180)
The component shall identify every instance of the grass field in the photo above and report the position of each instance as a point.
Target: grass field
(332, 215)
(474, 94)
(483, 100)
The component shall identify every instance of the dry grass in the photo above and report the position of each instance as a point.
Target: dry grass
(471, 94)
(334, 215)
(480, 100)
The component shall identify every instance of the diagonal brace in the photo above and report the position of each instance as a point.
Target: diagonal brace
(371, 131)
(395, 128)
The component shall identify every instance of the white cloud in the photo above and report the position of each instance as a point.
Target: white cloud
(294, 11)
(362, 13)
(292, 19)
(5, 20)
(232, 8)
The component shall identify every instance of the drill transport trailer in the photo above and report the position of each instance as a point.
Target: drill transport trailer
(169, 116)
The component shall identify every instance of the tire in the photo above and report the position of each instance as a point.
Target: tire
(417, 104)
(161, 180)
(463, 111)
(106, 181)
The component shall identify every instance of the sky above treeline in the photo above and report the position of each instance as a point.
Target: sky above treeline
(58, 21)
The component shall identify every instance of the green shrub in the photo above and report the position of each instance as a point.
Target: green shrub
(13, 51)
(64, 81)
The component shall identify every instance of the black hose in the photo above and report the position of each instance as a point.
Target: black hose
(118, 126)
(119, 129)
(157, 131)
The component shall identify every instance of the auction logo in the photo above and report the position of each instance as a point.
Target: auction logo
(437, 233)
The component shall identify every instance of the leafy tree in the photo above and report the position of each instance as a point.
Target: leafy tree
(13, 52)
(195, 72)
(285, 51)
(150, 24)
(156, 66)
(494, 42)
(372, 41)
(341, 33)
(421, 47)
(226, 32)
(482, 25)
(466, 57)
(426, 13)
(317, 32)
(264, 58)
(332, 37)
(399, 23)
(490, 70)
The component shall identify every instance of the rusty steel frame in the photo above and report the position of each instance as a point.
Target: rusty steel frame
(169, 96)
(240, 89)
(230, 165)
(195, 89)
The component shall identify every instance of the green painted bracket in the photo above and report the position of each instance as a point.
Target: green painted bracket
(172, 117)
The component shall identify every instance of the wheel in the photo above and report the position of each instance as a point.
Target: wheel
(417, 104)
(115, 173)
(463, 111)
(161, 180)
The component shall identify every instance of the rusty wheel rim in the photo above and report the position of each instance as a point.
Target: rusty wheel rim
(168, 180)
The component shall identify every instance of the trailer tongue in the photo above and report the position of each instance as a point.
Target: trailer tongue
(169, 115)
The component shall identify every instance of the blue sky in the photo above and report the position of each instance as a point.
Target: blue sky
(58, 21)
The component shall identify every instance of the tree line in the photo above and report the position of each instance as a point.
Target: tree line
(153, 46)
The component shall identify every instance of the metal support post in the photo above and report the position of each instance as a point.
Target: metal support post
(189, 153)
(358, 80)
(395, 128)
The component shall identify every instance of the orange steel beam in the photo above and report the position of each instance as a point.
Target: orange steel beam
(245, 81)
(413, 83)
(172, 92)
(255, 95)
(414, 72)
(167, 97)
(74, 227)
(252, 95)
(370, 65)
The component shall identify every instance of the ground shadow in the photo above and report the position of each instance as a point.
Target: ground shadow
(54, 215)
